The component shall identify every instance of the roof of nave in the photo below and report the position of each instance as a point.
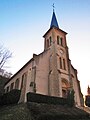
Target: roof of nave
(32, 59)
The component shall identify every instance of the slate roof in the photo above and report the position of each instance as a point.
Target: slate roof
(54, 22)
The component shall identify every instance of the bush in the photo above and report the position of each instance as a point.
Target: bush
(70, 98)
(11, 97)
(38, 98)
(0, 99)
(87, 101)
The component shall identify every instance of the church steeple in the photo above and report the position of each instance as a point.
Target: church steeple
(54, 22)
(54, 34)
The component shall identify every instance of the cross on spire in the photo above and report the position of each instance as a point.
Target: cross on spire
(53, 7)
(54, 22)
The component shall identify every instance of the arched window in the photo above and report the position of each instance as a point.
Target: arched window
(50, 40)
(12, 85)
(65, 87)
(64, 64)
(60, 63)
(7, 89)
(22, 81)
(59, 41)
(24, 77)
(17, 84)
(47, 43)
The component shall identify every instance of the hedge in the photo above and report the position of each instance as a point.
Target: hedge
(11, 97)
(38, 98)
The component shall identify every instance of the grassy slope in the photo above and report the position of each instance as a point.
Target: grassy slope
(15, 112)
(35, 111)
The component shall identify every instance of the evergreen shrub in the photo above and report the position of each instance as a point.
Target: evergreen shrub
(70, 98)
(11, 97)
(87, 100)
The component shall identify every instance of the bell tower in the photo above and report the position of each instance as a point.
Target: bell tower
(55, 41)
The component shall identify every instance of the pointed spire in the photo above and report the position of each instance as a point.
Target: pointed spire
(54, 22)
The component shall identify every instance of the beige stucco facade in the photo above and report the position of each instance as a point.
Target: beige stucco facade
(50, 72)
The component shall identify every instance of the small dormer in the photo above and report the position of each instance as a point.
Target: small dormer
(54, 34)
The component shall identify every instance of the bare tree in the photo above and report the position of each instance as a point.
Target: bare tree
(5, 54)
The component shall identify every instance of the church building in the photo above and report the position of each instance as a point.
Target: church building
(50, 72)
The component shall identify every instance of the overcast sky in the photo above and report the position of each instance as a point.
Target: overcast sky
(24, 22)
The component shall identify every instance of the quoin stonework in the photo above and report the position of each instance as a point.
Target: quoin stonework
(50, 72)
